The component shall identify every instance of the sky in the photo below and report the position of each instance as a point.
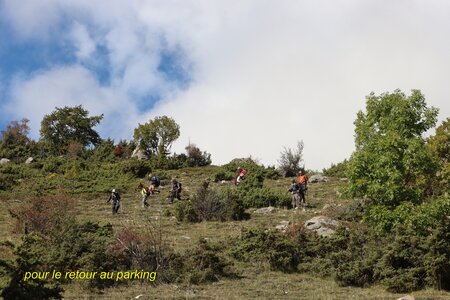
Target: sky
(241, 78)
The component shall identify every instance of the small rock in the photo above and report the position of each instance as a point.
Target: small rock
(284, 223)
(407, 297)
(281, 228)
(343, 179)
(223, 182)
(138, 296)
(186, 237)
(29, 160)
(326, 206)
(265, 210)
(318, 178)
(4, 161)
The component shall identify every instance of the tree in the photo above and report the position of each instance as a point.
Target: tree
(156, 137)
(391, 163)
(69, 125)
(14, 140)
(440, 145)
(197, 158)
(440, 142)
(290, 160)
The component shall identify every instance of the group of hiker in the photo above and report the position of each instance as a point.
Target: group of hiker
(146, 191)
(298, 189)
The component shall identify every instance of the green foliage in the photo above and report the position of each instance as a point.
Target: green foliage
(440, 141)
(263, 197)
(197, 158)
(135, 167)
(440, 145)
(203, 264)
(54, 240)
(157, 136)
(337, 170)
(209, 204)
(104, 152)
(267, 246)
(69, 125)
(291, 159)
(391, 163)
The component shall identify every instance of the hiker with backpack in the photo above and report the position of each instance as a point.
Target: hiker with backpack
(241, 175)
(295, 190)
(302, 180)
(175, 191)
(155, 182)
(115, 201)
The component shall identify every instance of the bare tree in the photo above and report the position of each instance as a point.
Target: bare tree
(291, 159)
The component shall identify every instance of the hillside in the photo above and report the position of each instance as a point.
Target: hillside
(86, 189)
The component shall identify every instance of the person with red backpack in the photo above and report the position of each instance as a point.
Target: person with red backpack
(241, 175)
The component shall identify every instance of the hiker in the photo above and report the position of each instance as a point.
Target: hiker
(155, 182)
(241, 175)
(115, 197)
(295, 190)
(302, 180)
(175, 191)
(145, 192)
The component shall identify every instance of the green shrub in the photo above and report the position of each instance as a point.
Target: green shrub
(209, 204)
(267, 246)
(135, 167)
(203, 264)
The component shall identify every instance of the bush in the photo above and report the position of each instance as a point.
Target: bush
(209, 204)
(267, 246)
(136, 168)
(337, 170)
(203, 264)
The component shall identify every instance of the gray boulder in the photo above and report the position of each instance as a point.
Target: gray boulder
(29, 160)
(318, 178)
(323, 226)
(265, 210)
(4, 161)
(139, 154)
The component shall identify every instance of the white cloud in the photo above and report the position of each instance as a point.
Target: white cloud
(70, 86)
(265, 74)
(83, 42)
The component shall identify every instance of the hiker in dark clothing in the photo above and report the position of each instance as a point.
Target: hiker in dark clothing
(155, 182)
(175, 191)
(295, 190)
(115, 201)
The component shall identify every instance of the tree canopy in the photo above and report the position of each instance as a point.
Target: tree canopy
(391, 163)
(156, 137)
(69, 125)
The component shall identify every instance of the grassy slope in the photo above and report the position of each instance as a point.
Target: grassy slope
(255, 281)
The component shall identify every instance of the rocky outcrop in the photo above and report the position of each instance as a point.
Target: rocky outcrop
(318, 178)
(4, 161)
(323, 226)
(265, 210)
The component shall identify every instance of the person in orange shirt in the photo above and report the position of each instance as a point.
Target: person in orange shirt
(302, 180)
